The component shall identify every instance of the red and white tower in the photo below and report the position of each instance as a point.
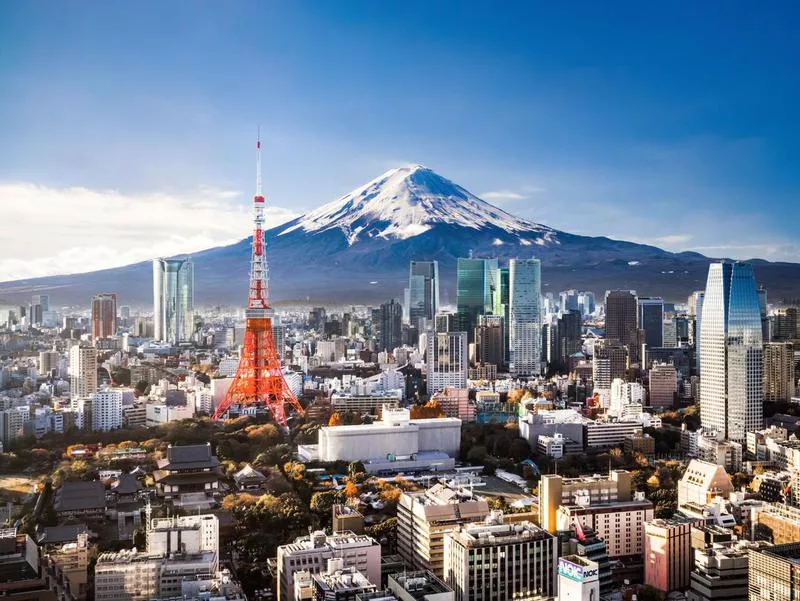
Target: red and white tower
(259, 379)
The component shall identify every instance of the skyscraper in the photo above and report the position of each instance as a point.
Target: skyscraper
(173, 299)
(651, 320)
(447, 360)
(779, 384)
(525, 317)
(423, 287)
(490, 340)
(569, 335)
(731, 362)
(390, 328)
(474, 287)
(784, 324)
(104, 315)
(502, 304)
(82, 371)
(621, 316)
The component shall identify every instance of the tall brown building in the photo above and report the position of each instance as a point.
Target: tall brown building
(104, 315)
(622, 320)
(779, 383)
(784, 324)
(490, 340)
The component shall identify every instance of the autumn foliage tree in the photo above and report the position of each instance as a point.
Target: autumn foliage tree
(430, 410)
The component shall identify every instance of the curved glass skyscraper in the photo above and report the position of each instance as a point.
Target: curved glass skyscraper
(731, 388)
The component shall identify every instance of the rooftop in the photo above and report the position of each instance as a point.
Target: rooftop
(480, 535)
(189, 457)
(80, 496)
(419, 584)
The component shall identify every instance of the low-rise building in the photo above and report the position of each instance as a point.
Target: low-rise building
(701, 482)
(667, 554)
(424, 518)
(312, 553)
(86, 500)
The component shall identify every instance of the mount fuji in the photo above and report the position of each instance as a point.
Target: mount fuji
(357, 249)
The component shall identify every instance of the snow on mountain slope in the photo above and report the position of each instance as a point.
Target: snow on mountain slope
(408, 201)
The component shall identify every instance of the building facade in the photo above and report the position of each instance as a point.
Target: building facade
(525, 317)
(731, 361)
(173, 299)
(104, 315)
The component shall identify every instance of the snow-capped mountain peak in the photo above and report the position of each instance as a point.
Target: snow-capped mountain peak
(406, 202)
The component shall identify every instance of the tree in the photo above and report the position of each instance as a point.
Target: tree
(476, 454)
(323, 502)
(351, 490)
(356, 467)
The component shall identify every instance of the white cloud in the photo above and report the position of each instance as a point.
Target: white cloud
(49, 231)
(505, 195)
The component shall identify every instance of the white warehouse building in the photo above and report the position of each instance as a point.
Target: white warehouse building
(395, 443)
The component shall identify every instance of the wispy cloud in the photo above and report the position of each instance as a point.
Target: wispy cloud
(506, 195)
(80, 229)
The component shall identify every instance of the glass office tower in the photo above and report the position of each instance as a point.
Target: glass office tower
(731, 365)
(474, 291)
(525, 317)
(423, 295)
(173, 299)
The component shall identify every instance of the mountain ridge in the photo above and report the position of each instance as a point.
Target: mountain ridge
(357, 248)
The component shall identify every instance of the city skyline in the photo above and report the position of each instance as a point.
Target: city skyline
(616, 121)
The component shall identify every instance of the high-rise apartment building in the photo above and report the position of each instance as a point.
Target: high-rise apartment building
(495, 560)
(779, 382)
(447, 360)
(475, 282)
(732, 360)
(784, 324)
(104, 315)
(390, 328)
(651, 320)
(663, 385)
(173, 299)
(423, 287)
(525, 317)
(106, 410)
(490, 339)
(82, 371)
(609, 362)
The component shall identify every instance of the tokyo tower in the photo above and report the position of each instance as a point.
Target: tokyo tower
(259, 379)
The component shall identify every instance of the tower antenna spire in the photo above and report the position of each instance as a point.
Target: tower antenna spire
(258, 162)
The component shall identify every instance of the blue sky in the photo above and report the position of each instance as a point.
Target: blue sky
(673, 123)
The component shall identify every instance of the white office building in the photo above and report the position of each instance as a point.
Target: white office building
(106, 410)
(82, 371)
(447, 361)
